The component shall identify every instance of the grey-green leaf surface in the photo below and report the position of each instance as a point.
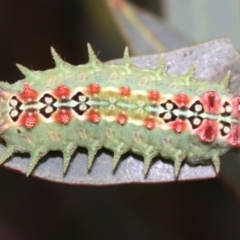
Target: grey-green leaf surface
(212, 60)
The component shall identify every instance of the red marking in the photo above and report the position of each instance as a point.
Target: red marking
(211, 102)
(234, 137)
(94, 88)
(63, 116)
(28, 94)
(125, 90)
(62, 92)
(149, 123)
(178, 125)
(121, 119)
(29, 119)
(236, 106)
(182, 100)
(94, 117)
(153, 95)
(208, 130)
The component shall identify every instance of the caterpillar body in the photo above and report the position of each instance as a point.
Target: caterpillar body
(119, 107)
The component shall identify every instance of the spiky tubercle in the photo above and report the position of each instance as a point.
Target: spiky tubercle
(121, 108)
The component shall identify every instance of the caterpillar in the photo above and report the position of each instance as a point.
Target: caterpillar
(121, 108)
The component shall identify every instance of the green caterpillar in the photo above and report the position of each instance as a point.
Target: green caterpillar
(119, 107)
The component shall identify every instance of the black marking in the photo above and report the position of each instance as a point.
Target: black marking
(78, 96)
(80, 111)
(45, 110)
(50, 97)
(225, 129)
(165, 105)
(15, 111)
(18, 105)
(13, 116)
(225, 106)
(165, 117)
(195, 121)
(195, 105)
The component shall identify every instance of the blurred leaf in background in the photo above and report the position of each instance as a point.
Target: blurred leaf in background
(203, 20)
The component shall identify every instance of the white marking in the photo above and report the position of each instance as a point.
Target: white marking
(112, 100)
(14, 102)
(82, 107)
(196, 121)
(220, 126)
(140, 110)
(167, 116)
(169, 106)
(226, 129)
(141, 103)
(228, 109)
(49, 109)
(82, 98)
(14, 113)
(198, 107)
(48, 100)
